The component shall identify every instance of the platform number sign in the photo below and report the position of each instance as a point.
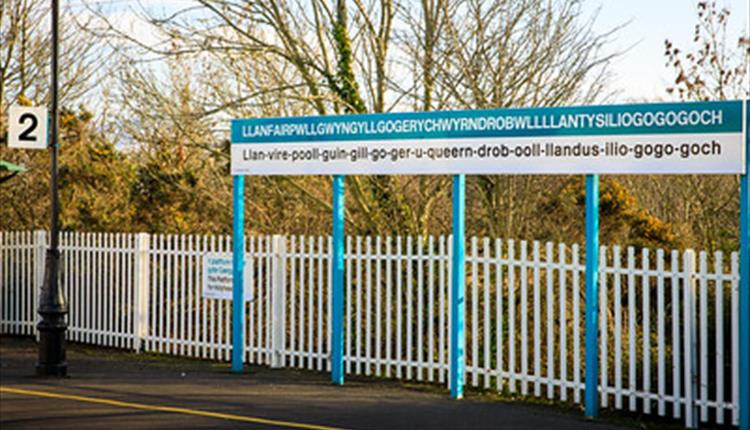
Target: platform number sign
(27, 127)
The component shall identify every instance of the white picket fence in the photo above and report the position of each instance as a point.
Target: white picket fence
(669, 320)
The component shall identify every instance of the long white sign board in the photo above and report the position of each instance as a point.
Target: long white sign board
(668, 138)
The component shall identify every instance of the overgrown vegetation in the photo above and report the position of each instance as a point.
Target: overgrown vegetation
(148, 150)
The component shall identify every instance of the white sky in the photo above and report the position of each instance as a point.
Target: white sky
(641, 73)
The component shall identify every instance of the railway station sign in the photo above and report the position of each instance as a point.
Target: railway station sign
(667, 138)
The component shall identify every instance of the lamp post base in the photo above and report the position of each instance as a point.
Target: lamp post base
(53, 370)
(52, 360)
(52, 327)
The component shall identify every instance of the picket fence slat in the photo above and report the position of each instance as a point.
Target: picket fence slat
(604, 329)
(442, 302)
(703, 312)
(646, 323)
(537, 323)
(562, 324)
(676, 348)
(576, 327)
(472, 362)
(631, 327)
(734, 315)
(511, 316)
(719, 326)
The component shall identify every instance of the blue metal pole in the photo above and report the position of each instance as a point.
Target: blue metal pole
(458, 340)
(744, 400)
(337, 269)
(238, 263)
(592, 296)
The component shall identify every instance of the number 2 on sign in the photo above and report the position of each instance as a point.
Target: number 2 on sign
(27, 134)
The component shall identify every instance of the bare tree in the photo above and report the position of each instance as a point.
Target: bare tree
(24, 79)
(25, 54)
(704, 209)
(268, 58)
(716, 68)
(505, 53)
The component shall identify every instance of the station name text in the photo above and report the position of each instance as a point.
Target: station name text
(463, 125)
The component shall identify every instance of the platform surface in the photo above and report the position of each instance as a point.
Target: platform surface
(119, 390)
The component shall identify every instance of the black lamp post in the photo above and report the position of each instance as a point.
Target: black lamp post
(52, 305)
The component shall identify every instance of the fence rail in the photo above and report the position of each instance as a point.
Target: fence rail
(668, 320)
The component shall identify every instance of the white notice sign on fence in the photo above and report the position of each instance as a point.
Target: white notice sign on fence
(217, 277)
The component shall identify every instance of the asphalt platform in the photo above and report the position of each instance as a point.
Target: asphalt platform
(110, 390)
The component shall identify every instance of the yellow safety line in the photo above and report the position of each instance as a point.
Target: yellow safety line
(170, 409)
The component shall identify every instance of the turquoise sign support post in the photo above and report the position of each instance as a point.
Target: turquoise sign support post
(337, 284)
(744, 400)
(591, 407)
(458, 279)
(238, 263)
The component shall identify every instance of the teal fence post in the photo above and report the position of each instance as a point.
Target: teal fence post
(238, 263)
(337, 275)
(458, 340)
(591, 407)
(744, 400)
